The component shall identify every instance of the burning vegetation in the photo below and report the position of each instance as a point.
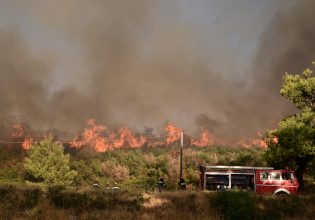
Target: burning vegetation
(101, 139)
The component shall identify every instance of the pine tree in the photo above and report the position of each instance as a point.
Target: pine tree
(293, 143)
(47, 163)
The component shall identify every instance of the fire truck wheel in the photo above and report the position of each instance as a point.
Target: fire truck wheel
(281, 193)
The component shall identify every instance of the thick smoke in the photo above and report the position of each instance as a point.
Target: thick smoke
(287, 45)
(141, 68)
(23, 93)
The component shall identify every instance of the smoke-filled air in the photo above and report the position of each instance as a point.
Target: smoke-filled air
(114, 74)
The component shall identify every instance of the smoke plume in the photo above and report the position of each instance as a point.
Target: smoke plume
(139, 67)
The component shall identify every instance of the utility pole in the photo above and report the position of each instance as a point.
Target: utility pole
(181, 155)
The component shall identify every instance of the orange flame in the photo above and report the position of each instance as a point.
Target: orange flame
(206, 139)
(19, 132)
(253, 142)
(94, 136)
(125, 135)
(27, 142)
(173, 133)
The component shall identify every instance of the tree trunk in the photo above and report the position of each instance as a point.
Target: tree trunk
(301, 168)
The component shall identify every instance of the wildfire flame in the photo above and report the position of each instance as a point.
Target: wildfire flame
(19, 132)
(27, 142)
(206, 139)
(253, 142)
(173, 133)
(95, 136)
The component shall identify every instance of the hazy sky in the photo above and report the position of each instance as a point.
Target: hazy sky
(143, 63)
(232, 27)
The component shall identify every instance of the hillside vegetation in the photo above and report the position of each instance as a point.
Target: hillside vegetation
(134, 169)
(90, 193)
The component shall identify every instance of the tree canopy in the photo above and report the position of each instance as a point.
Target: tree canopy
(300, 89)
(293, 143)
(47, 163)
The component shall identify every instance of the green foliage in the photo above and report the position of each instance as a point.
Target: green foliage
(235, 205)
(134, 161)
(9, 175)
(293, 143)
(147, 167)
(162, 164)
(293, 139)
(300, 89)
(47, 163)
(249, 157)
(130, 168)
(192, 177)
(88, 171)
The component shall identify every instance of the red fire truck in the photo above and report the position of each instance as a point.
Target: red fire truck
(262, 180)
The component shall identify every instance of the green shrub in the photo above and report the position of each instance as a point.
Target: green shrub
(9, 174)
(235, 205)
(46, 162)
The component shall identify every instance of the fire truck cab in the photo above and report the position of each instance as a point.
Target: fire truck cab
(262, 180)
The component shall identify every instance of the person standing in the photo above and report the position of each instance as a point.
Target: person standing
(182, 184)
(161, 184)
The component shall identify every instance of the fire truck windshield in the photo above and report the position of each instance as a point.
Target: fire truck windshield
(287, 176)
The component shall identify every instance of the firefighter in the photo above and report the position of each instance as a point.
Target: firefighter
(115, 187)
(182, 184)
(96, 184)
(161, 184)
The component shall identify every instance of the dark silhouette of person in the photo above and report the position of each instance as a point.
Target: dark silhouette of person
(182, 184)
(161, 184)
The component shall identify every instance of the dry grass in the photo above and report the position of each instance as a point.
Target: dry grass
(178, 205)
(147, 206)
